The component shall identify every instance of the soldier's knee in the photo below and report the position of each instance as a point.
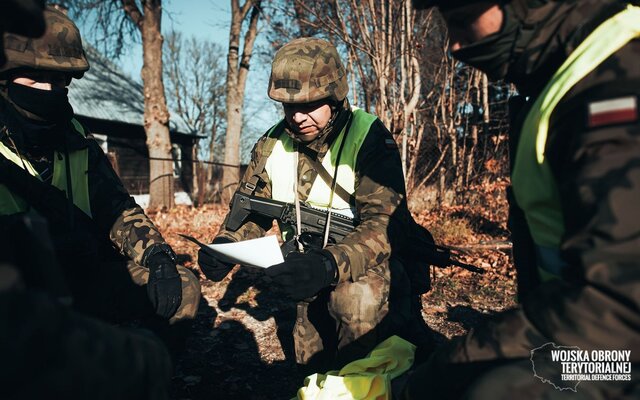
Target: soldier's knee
(190, 296)
(363, 301)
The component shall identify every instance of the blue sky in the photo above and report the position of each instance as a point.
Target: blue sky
(205, 19)
(210, 20)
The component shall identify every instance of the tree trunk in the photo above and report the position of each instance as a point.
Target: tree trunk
(156, 115)
(237, 70)
(196, 171)
(477, 95)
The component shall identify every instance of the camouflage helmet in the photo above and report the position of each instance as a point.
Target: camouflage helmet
(59, 49)
(306, 70)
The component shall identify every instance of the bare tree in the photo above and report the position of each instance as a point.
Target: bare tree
(466, 119)
(119, 20)
(237, 71)
(196, 91)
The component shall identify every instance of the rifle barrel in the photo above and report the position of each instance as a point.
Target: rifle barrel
(468, 267)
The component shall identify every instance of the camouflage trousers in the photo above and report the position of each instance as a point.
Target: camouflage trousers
(345, 323)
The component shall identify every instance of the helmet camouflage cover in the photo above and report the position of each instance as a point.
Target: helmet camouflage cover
(306, 70)
(59, 49)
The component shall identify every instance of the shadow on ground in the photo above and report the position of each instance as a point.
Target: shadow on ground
(468, 317)
(223, 359)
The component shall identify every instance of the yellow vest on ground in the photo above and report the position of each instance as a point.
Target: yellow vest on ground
(79, 164)
(534, 187)
(366, 379)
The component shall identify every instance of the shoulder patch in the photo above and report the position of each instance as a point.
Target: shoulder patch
(390, 143)
(612, 111)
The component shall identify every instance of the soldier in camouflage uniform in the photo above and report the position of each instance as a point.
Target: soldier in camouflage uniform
(351, 294)
(48, 350)
(574, 198)
(116, 261)
(51, 351)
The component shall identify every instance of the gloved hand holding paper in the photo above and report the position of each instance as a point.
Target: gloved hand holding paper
(262, 252)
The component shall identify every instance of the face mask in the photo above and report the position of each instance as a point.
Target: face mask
(493, 53)
(50, 105)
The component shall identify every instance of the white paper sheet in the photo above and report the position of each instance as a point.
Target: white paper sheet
(262, 252)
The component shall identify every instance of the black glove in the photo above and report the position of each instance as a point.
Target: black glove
(164, 287)
(303, 275)
(213, 268)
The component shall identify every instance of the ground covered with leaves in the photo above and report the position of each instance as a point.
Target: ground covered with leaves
(240, 346)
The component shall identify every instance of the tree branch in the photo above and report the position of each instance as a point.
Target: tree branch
(134, 13)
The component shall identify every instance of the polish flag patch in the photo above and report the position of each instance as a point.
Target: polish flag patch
(613, 111)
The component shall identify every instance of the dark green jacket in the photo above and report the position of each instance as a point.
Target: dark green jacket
(597, 171)
(117, 217)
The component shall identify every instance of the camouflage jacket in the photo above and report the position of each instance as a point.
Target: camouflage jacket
(597, 171)
(116, 215)
(380, 198)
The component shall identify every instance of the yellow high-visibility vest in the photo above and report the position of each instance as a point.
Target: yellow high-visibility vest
(280, 166)
(535, 189)
(11, 203)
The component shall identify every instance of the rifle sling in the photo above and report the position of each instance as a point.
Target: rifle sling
(327, 178)
(332, 181)
(249, 187)
(251, 184)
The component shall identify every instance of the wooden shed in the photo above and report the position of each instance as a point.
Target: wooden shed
(110, 104)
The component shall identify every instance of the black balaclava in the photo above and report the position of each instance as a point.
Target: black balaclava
(36, 119)
(49, 105)
(536, 37)
(493, 54)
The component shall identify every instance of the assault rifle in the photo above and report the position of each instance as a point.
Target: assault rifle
(313, 220)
